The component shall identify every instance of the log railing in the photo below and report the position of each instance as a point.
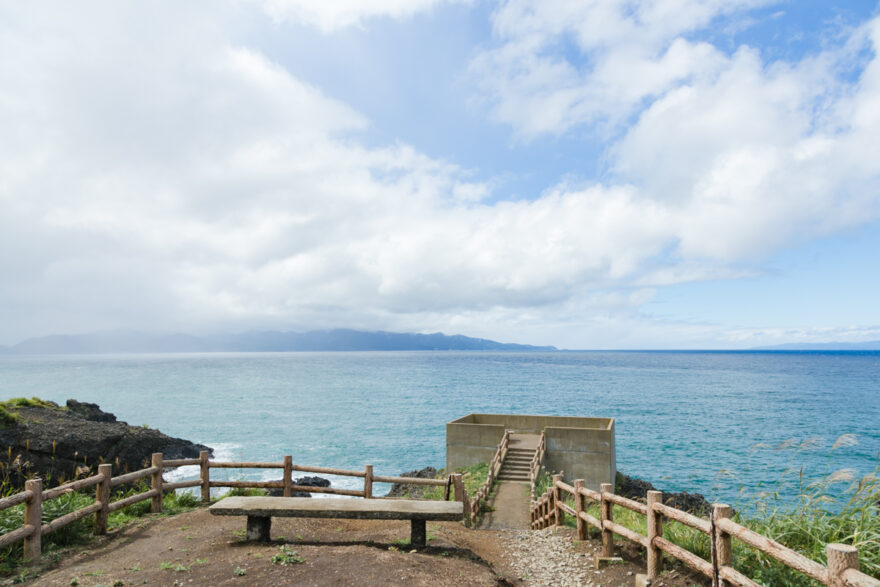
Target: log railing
(33, 496)
(550, 509)
(535, 467)
(476, 503)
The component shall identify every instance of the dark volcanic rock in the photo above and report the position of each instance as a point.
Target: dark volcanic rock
(308, 481)
(89, 411)
(413, 491)
(59, 444)
(637, 489)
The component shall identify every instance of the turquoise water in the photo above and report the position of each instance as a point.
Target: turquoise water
(685, 420)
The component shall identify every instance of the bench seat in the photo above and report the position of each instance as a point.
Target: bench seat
(261, 510)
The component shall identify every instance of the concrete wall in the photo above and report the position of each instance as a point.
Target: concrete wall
(582, 448)
(582, 453)
(468, 444)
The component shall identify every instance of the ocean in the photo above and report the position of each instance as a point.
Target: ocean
(719, 423)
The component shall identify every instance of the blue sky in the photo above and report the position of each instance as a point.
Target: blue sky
(596, 174)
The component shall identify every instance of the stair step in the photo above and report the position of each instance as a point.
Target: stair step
(515, 460)
(520, 450)
(512, 467)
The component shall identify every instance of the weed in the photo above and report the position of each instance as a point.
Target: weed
(239, 572)
(23, 576)
(287, 557)
(246, 492)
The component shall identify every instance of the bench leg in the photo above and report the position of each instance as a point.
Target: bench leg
(418, 534)
(258, 528)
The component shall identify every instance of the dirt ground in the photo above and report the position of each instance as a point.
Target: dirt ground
(196, 548)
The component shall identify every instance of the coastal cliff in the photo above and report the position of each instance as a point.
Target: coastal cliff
(58, 443)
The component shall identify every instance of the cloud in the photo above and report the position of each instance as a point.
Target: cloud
(333, 15)
(165, 174)
(743, 156)
(558, 65)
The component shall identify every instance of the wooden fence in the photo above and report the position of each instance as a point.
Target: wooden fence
(474, 507)
(550, 509)
(535, 467)
(34, 495)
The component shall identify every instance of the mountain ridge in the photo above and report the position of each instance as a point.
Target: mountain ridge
(340, 339)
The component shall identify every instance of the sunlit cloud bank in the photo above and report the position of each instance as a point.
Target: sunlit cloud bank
(156, 172)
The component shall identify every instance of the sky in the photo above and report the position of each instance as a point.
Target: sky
(603, 174)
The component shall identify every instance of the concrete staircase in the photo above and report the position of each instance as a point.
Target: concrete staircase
(515, 466)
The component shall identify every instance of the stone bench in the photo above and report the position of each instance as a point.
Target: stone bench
(261, 510)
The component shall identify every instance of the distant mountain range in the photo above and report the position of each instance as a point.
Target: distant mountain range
(129, 341)
(870, 345)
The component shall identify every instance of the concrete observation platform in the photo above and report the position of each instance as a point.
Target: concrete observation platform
(581, 448)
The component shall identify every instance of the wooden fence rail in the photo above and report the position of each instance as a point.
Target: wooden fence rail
(33, 496)
(535, 467)
(550, 509)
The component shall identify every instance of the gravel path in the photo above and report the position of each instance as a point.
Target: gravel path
(545, 557)
(553, 557)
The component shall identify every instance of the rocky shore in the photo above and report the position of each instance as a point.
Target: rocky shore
(59, 443)
(694, 503)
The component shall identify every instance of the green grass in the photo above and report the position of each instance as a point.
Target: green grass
(7, 419)
(245, 492)
(34, 402)
(473, 478)
(834, 507)
(80, 532)
(8, 408)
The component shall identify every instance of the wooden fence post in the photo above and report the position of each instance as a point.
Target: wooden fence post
(102, 496)
(287, 478)
(542, 510)
(461, 495)
(558, 514)
(655, 529)
(548, 506)
(156, 483)
(33, 516)
(841, 557)
(607, 514)
(580, 506)
(368, 481)
(205, 476)
(721, 541)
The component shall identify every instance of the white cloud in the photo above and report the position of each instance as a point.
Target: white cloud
(744, 157)
(561, 64)
(169, 176)
(332, 15)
